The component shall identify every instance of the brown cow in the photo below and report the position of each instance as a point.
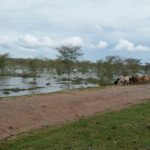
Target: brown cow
(145, 78)
(135, 79)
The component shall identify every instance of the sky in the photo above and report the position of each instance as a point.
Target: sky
(35, 28)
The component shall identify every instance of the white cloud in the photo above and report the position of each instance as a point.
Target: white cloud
(92, 20)
(49, 42)
(38, 42)
(30, 42)
(126, 45)
(100, 45)
(142, 48)
(74, 41)
(6, 42)
(65, 13)
(3, 40)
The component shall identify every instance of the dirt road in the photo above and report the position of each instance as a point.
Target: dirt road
(24, 113)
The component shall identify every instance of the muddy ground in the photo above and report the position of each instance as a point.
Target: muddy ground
(21, 114)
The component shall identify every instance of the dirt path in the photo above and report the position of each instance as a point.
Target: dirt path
(22, 114)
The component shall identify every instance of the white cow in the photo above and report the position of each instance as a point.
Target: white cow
(124, 80)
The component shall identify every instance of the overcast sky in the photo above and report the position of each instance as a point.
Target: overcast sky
(31, 28)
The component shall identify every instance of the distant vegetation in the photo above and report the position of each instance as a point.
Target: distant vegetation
(68, 63)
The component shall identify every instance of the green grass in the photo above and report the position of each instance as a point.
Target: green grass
(128, 129)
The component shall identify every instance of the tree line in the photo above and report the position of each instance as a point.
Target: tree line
(68, 61)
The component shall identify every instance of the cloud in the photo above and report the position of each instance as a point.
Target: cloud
(5, 42)
(66, 21)
(69, 14)
(126, 45)
(48, 42)
(31, 42)
(100, 45)
(74, 41)
(35, 42)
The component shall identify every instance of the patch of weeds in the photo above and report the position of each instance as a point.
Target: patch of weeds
(32, 82)
(6, 92)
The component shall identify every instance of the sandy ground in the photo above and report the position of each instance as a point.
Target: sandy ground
(24, 113)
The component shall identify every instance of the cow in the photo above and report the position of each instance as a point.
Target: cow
(116, 81)
(123, 80)
(145, 78)
(135, 79)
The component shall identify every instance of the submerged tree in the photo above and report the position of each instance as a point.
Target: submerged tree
(68, 55)
(33, 68)
(3, 60)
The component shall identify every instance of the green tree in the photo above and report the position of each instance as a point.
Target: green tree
(104, 72)
(132, 66)
(68, 55)
(109, 68)
(84, 66)
(3, 62)
(59, 67)
(147, 68)
(33, 68)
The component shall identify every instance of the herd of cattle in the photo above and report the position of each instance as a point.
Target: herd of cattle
(126, 80)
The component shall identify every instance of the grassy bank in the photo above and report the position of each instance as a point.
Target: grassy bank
(128, 129)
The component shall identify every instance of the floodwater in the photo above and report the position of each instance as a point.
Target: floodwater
(44, 84)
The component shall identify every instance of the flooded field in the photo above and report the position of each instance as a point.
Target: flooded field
(17, 86)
